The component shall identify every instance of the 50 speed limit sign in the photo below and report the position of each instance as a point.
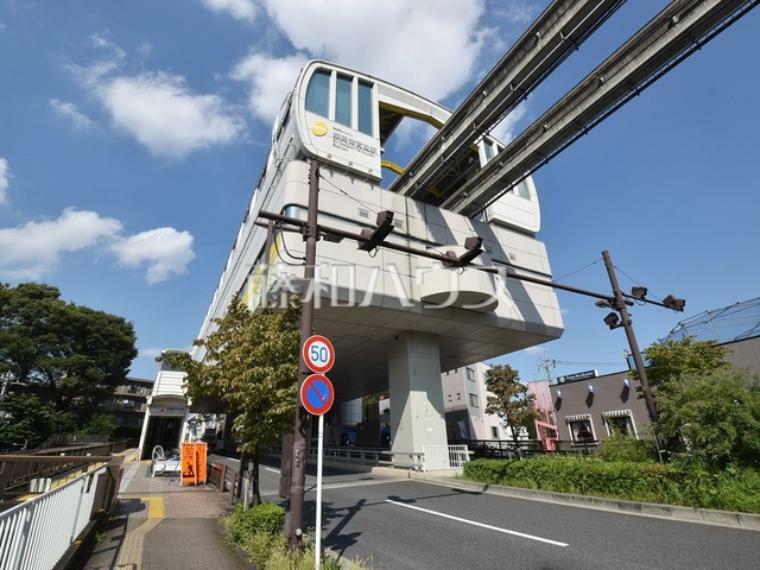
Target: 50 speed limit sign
(318, 354)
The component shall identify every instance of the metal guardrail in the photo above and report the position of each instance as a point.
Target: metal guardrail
(36, 534)
(15, 473)
(432, 457)
(506, 449)
(437, 457)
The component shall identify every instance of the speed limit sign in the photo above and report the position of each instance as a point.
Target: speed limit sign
(318, 353)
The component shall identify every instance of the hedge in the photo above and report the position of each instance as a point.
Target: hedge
(732, 489)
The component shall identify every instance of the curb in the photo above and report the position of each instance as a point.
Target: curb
(744, 521)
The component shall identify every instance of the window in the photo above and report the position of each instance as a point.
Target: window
(522, 190)
(494, 432)
(474, 401)
(470, 374)
(488, 149)
(343, 100)
(619, 426)
(581, 430)
(365, 108)
(318, 93)
(619, 422)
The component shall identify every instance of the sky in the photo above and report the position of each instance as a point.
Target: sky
(132, 133)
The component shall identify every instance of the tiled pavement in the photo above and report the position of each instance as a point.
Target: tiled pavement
(160, 525)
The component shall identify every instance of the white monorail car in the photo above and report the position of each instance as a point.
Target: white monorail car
(344, 119)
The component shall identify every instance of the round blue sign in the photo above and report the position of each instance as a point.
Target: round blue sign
(317, 394)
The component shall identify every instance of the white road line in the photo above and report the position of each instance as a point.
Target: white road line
(481, 525)
(272, 469)
(327, 486)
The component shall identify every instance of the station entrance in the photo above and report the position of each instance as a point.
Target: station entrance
(163, 424)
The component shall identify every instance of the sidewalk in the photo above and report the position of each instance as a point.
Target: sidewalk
(162, 525)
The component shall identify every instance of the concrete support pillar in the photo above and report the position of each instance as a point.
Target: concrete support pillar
(416, 394)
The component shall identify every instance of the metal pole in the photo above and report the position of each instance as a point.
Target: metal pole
(298, 475)
(318, 522)
(621, 307)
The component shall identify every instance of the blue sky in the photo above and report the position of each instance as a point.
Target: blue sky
(131, 135)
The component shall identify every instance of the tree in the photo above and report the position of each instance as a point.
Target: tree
(511, 400)
(251, 362)
(715, 416)
(29, 421)
(76, 355)
(675, 358)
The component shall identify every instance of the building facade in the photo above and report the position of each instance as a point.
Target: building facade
(588, 411)
(465, 398)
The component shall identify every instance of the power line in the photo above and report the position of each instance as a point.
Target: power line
(561, 277)
(635, 281)
(354, 198)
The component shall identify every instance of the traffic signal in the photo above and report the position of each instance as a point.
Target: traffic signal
(612, 320)
(674, 303)
(374, 237)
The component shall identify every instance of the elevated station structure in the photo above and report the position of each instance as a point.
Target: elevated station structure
(396, 320)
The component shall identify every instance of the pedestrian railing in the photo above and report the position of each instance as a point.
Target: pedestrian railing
(15, 474)
(35, 534)
(437, 457)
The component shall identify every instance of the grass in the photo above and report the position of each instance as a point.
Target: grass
(732, 489)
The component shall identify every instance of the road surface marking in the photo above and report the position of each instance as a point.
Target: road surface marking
(272, 469)
(481, 525)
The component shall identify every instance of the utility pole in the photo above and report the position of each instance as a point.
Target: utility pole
(300, 431)
(621, 307)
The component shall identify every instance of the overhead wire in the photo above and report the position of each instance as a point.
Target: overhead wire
(285, 261)
(354, 198)
(566, 275)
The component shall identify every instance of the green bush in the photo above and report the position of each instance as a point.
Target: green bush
(731, 489)
(625, 448)
(266, 518)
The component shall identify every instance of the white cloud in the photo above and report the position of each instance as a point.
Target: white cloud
(70, 112)
(149, 352)
(165, 251)
(429, 46)
(505, 130)
(4, 180)
(270, 79)
(244, 10)
(33, 249)
(160, 112)
(158, 109)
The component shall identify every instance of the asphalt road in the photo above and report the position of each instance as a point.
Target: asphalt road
(409, 524)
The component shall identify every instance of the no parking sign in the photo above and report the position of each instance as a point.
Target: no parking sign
(317, 394)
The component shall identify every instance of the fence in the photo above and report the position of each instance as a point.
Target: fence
(16, 474)
(507, 449)
(36, 534)
(224, 478)
(436, 457)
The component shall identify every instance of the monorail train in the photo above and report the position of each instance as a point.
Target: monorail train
(344, 120)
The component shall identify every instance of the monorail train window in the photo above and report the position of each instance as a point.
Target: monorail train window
(522, 190)
(365, 108)
(489, 150)
(318, 93)
(343, 100)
